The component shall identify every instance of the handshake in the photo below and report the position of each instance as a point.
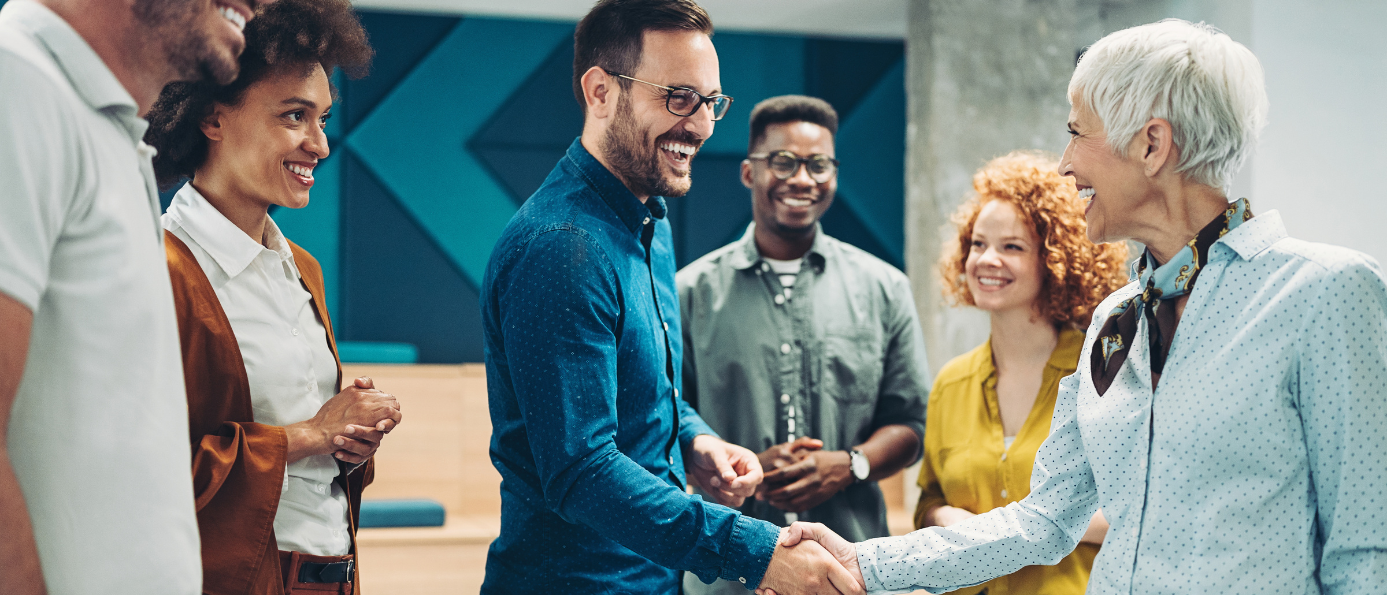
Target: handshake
(809, 558)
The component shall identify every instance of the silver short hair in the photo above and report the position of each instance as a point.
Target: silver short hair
(1209, 87)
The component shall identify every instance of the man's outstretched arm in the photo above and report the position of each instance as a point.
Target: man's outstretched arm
(19, 555)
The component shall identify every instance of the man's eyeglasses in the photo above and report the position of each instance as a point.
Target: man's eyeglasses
(683, 101)
(785, 165)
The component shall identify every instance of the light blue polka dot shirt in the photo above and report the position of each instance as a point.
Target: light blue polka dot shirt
(1259, 465)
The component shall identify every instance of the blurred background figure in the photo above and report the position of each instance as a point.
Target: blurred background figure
(278, 452)
(800, 346)
(1021, 256)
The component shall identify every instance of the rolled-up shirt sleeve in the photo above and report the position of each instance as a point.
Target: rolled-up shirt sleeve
(562, 345)
(905, 377)
(1041, 529)
(1342, 384)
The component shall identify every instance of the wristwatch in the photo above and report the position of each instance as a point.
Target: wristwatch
(861, 467)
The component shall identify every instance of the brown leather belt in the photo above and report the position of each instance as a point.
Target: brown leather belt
(304, 572)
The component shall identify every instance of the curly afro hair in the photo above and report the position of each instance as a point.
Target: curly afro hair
(285, 36)
(1077, 273)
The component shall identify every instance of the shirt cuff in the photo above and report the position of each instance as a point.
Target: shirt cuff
(749, 551)
(867, 563)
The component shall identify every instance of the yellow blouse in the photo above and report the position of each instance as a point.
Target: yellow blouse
(966, 465)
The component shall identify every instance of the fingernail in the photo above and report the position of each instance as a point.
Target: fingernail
(339, 441)
(351, 430)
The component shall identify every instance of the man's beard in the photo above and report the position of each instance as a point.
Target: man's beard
(190, 54)
(636, 161)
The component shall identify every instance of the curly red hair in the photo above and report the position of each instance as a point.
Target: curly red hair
(1078, 274)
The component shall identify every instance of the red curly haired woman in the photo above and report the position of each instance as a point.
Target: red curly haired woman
(1022, 256)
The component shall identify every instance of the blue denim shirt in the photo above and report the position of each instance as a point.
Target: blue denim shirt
(582, 344)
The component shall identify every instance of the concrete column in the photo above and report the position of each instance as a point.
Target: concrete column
(985, 77)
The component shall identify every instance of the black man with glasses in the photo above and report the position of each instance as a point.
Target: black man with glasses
(581, 326)
(801, 347)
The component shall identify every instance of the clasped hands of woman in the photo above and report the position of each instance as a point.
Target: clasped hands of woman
(349, 426)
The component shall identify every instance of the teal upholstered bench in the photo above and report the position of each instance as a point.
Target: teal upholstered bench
(374, 352)
(401, 513)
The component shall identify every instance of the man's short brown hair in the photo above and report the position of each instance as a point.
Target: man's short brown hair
(611, 35)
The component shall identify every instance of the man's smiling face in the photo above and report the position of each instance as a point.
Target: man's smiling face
(792, 206)
(648, 147)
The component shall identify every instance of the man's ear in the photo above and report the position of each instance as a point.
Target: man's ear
(211, 126)
(1156, 145)
(600, 93)
(746, 173)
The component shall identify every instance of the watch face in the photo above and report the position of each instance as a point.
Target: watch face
(860, 467)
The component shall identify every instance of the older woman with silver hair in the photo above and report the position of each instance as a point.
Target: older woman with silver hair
(1229, 414)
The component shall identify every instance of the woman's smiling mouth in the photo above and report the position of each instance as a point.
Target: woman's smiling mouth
(301, 172)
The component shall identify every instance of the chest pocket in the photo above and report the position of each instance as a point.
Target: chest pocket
(852, 363)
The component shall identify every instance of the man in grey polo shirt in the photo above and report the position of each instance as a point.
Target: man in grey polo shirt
(801, 347)
(95, 483)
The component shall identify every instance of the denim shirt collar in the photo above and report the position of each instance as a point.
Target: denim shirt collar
(627, 207)
(747, 255)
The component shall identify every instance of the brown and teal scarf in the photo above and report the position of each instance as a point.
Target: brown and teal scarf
(1164, 282)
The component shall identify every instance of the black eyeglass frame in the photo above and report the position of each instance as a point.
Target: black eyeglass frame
(669, 96)
(799, 162)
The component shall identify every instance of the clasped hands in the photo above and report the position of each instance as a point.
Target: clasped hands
(823, 564)
(799, 475)
(350, 426)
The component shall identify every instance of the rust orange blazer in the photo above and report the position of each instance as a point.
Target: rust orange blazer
(238, 465)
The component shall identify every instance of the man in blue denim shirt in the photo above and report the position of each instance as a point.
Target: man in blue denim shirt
(582, 343)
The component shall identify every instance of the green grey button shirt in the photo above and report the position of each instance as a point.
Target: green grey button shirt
(842, 355)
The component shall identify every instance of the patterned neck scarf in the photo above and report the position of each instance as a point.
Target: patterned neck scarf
(1166, 282)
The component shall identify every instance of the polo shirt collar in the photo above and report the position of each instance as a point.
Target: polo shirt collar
(618, 197)
(85, 70)
(746, 255)
(227, 244)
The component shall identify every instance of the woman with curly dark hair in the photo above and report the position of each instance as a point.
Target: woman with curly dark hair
(280, 454)
(1021, 255)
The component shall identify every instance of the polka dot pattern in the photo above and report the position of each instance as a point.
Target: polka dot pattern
(1257, 466)
(582, 336)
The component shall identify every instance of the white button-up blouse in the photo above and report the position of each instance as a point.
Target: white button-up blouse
(291, 369)
(1258, 465)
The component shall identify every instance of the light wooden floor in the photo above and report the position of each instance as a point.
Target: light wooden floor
(440, 451)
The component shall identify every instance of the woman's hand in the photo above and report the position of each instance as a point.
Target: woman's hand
(944, 516)
(349, 426)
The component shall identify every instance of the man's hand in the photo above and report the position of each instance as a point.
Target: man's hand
(811, 481)
(728, 472)
(828, 566)
(786, 454)
(842, 551)
(349, 426)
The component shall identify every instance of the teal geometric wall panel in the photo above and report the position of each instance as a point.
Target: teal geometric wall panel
(752, 68)
(877, 200)
(415, 139)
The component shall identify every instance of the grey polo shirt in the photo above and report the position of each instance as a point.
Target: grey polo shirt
(835, 359)
(98, 434)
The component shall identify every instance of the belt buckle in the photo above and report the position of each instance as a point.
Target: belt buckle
(351, 570)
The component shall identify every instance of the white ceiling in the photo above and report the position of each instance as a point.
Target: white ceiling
(879, 19)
